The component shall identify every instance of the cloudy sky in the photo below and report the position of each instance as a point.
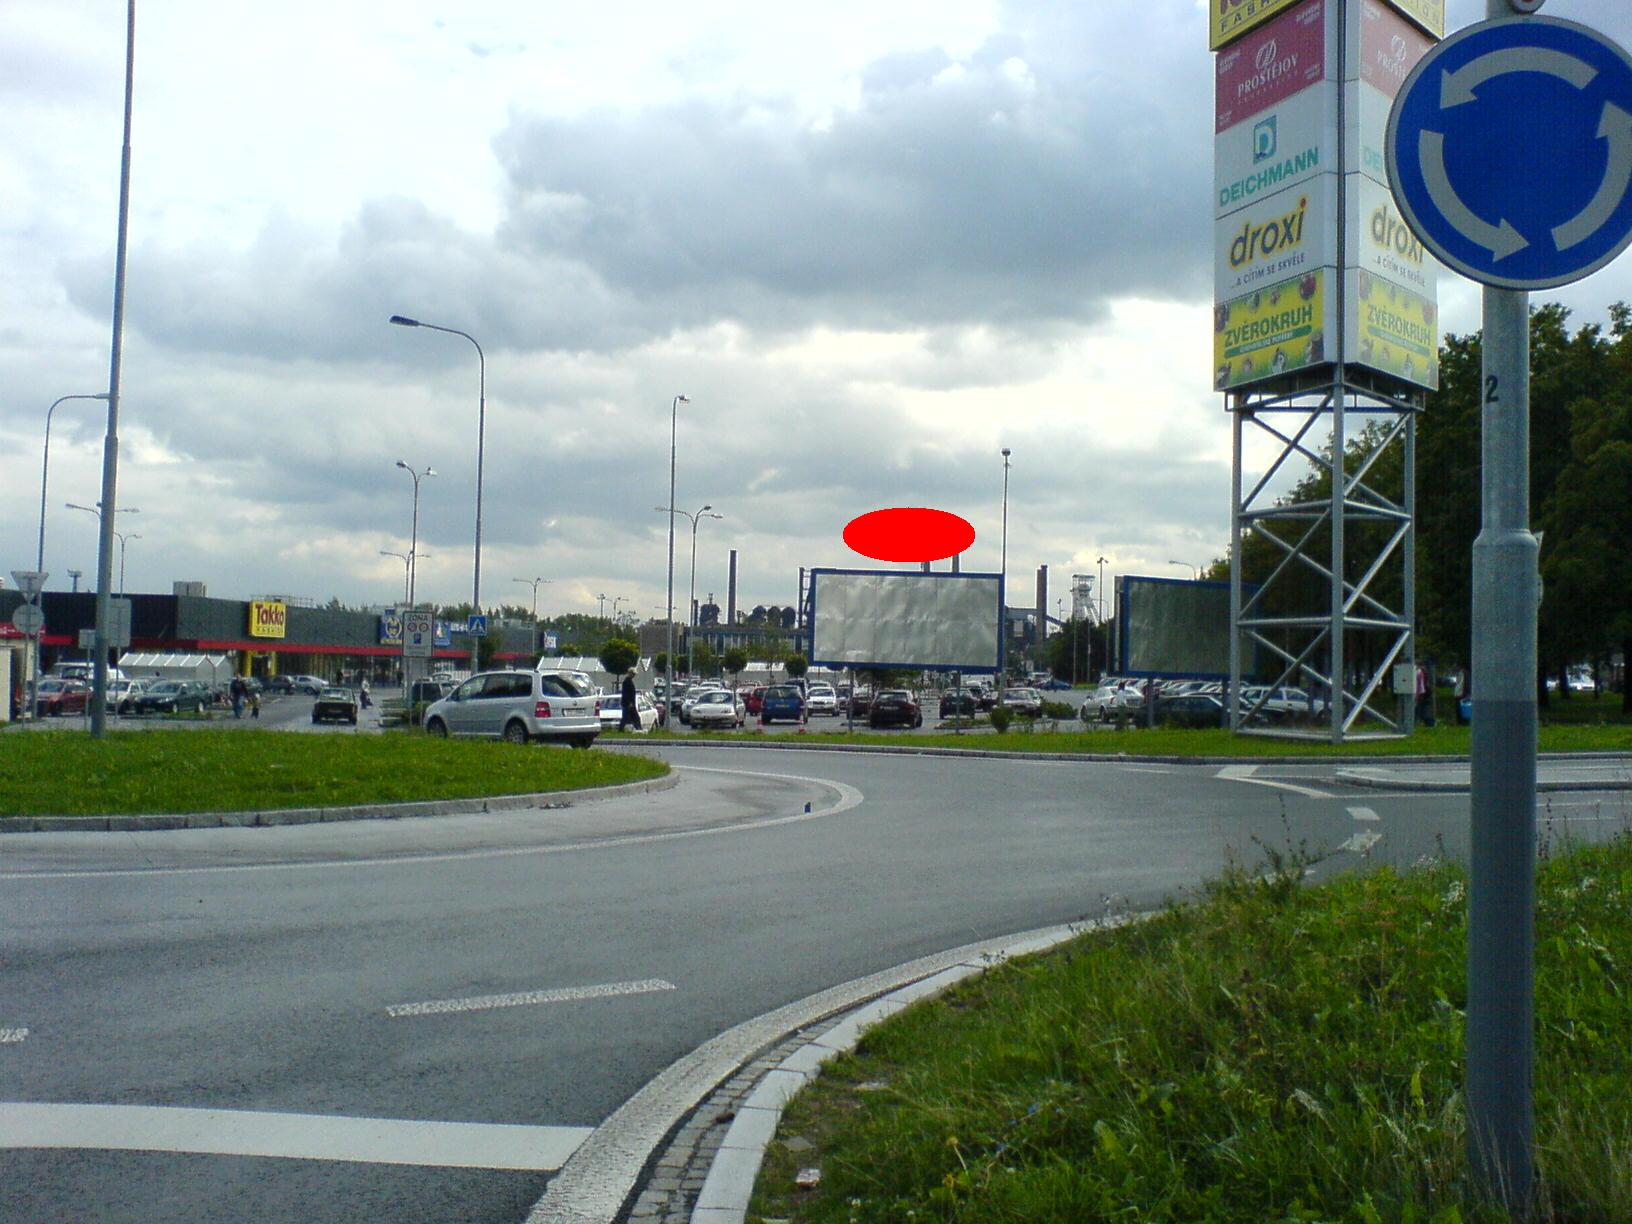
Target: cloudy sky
(874, 243)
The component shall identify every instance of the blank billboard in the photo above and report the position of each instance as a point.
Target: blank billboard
(896, 618)
(1174, 627)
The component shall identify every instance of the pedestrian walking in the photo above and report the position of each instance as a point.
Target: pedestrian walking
(362, 693)
(631, 709)
(1425, 697)
(254, 703)
(238, 690)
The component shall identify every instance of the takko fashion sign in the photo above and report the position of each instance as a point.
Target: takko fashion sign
(268, 618)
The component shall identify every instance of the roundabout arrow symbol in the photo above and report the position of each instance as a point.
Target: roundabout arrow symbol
(1615, 127)
(1500, 240)
(1456, 88)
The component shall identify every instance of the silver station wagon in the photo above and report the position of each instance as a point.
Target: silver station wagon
(519, 706)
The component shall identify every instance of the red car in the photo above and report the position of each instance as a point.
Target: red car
(58, 697)
(753, 699)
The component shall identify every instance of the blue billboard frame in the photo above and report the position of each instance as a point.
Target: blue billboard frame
(810, 620)
(1122, 668)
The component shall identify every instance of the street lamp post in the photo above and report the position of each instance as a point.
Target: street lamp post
(1002, 611)
(1195, 573)
(668, 658)
(124, 538)
(533, 582)
(413, 536)
(407, 560)
(691, 592)
(600, 607)
(481, 436)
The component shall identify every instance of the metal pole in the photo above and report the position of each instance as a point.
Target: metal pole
(413, 540)
(668, 658)
(691, 597)
(1501, 900)
(1232, 691)
(1002, 597)
(1340, 488)
(110, 447)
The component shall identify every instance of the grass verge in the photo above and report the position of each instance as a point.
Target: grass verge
(1267, 1053)
(1428, 741)
(71, 774)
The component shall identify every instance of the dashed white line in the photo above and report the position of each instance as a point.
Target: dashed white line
(234, 1132)
(12, 1036)
(566, 994)
(1360, 843)
(1363, 813)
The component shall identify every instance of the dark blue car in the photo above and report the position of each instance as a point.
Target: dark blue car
(782, 701)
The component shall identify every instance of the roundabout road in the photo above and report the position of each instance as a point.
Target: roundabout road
(421, 1019)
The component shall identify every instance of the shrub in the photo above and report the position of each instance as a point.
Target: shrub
(1057, 709)
(1001, 717)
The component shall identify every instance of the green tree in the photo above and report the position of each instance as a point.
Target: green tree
(618, 655)
(734, 660)
(704, 660)
(660, 663)
(797, 665)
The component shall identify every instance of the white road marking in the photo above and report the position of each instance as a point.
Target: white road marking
(566, 994)
(12, 1036)
(1360, 843)
(1243, 773)
(1363, 813)
(849, 797)
(1140, 769)
(233, 1132)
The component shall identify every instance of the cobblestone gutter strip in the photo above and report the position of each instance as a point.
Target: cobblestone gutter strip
(1378, 780)
(317, 815)
(706, 1174)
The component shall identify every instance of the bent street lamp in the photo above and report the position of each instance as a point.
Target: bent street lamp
(481, 435)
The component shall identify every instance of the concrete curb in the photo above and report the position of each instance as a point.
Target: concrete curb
(1433, 786)
(729, 1184)
(319, 815)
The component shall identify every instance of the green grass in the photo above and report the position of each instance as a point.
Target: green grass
(71, 774)
(1442, 740)
(1267, 1053)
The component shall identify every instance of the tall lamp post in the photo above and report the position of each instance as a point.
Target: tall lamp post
(1195, 574)
(481, 435)
(407, 560)
(533, 582)
(668, 658)
(1002, 611)
(600, 607)
(124, 539)
(413, 531)
(691, 591)
(1101, 618)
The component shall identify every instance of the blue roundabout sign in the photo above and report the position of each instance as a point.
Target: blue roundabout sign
(1510, 151)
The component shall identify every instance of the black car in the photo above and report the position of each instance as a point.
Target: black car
(1190, 710)
(894, 707)
(336, 703)
(279, 684)
(958, 703)
(175, 697)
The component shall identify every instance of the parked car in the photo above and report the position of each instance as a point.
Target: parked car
(1189, 710)
(860, 702)
(821, 699)
(311, 685)
(612, 711)
(339, 704)
(782, 702)
(58, 696)
(754, 698)
(122, 695)
(518, 706)
(1111, 696)
(174, 697)
(895, 707)
(280, 684)
(717, 708)
(1025, 702)
(959, 703)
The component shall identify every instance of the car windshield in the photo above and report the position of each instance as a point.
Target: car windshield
(895, 695)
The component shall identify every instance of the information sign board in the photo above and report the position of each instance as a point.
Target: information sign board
(418, 634)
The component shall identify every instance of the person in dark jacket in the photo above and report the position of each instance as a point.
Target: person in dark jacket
(630, 716)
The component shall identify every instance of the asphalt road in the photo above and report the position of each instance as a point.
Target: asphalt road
(506, 971)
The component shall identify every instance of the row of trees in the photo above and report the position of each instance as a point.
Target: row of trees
(1580, 497)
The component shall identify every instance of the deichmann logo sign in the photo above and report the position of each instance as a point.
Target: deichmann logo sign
(1282, 148)
(268, 618)
(1284, 58)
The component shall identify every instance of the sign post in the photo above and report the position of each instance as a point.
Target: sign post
(1559, 94)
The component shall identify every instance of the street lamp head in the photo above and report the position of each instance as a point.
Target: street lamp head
(682, 399)
(404, 466)
(714, 516)
(710, 507)
(404, 321)
(1006, 452)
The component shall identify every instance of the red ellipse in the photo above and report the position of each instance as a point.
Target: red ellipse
(908, 533)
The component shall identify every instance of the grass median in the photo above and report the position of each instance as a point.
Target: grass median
(1269, 1052)
(1441, 740)
(157, 772)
